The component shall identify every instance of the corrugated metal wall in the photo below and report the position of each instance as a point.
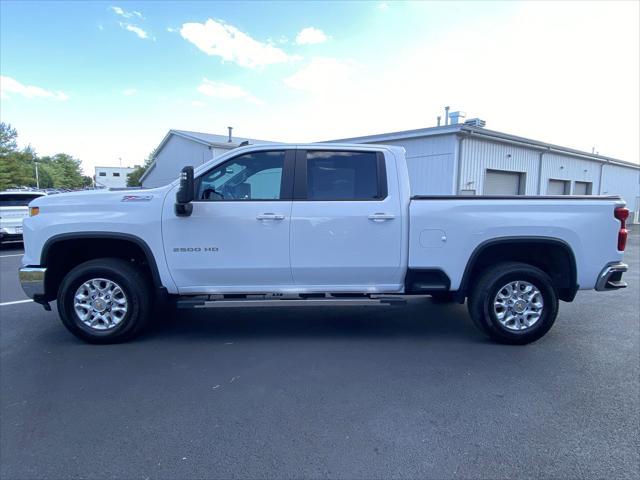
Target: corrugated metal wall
(563, 167)
(480, 155)
(431, 163)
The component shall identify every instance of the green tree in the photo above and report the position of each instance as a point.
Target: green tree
(17, 167)
(133, 180)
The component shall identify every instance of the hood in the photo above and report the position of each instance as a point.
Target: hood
(84, 197)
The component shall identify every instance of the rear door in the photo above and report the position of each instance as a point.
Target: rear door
(346, 221)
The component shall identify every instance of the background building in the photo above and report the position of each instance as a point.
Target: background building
(462, 158)
(180, 148)
(112, 177)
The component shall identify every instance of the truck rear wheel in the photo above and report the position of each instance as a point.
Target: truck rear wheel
(106, 300)
(513, 303)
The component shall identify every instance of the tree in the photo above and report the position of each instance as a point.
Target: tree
(133, 179)
(8, 136)
(17, 167)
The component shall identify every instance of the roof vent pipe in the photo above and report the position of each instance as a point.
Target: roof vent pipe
(446, 115)
(230, 130)
(439, 118)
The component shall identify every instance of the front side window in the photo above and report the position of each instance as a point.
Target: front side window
(335, 175)
(254, 176)
(116, 174)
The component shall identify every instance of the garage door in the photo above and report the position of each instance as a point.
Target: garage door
(582, 188)
(558, 187)
(502, 183)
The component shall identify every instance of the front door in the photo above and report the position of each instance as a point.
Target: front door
(237, 238)
(346, 222)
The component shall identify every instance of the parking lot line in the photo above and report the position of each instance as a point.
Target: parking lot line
(16, 255)
(15, 302)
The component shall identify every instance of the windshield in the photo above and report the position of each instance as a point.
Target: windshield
(15, 200)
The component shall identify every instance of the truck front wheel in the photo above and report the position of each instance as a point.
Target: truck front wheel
(513, 303)
(106, 300)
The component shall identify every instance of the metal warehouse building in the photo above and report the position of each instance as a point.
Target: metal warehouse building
(457, 159)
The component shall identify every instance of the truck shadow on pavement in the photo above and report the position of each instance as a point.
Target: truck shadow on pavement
(419, 318)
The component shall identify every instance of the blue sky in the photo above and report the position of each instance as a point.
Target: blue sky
(106, 80)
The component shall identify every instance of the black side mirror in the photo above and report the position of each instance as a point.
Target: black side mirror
(186, 193)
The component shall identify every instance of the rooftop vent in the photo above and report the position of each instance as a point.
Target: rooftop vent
(457, 117)
(475, 122)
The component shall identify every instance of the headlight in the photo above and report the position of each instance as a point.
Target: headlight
(33, 211)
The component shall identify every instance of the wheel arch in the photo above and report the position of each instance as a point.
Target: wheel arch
(558, 261)
(77, 248)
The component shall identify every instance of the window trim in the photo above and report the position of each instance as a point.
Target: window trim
(300, 181)
(286, 184)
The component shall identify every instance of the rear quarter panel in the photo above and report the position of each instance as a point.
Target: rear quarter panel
(445, 232)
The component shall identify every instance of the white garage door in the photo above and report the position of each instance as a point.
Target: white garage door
(502, 183)
(582, 188)
(558, 187)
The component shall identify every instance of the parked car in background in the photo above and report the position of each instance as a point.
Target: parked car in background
(13, 209)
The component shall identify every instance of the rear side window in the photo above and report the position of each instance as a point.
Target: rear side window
(335, 175)
(9, 200)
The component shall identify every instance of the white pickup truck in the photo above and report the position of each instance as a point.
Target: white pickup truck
(317, 224)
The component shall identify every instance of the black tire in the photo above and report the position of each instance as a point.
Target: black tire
(137, 290)
(442, 297)
(486, 288)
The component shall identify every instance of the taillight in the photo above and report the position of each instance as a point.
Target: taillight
(622, 214)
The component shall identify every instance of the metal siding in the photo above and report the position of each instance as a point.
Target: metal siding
(563, 167)
(178, 152)
(480, 155)
(623, 181)
(431, 162)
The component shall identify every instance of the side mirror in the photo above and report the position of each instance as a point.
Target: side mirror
(186, 193)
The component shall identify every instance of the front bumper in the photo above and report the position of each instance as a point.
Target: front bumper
(611, 277)
(32, 281)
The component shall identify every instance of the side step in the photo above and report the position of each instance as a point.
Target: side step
(248, 301)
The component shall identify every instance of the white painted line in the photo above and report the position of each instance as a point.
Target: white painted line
(18, 255)
(15, 303)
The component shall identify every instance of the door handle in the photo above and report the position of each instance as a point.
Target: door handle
(270, 216)
(381, 217)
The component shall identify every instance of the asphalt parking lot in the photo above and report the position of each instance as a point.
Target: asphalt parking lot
(361, 392)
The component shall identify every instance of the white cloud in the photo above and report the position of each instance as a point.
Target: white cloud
(197, 104)
(384, 6)
(126, 14)
(137, 30)
(10, 86)
(171, 29)
(225, 91)
(311, 36)
(129, 92)
(323, 75)
(217, 38)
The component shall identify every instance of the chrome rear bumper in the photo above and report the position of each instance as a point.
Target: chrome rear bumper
(611, 277)
(32, 281)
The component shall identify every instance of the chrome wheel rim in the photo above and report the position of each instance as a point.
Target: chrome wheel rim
(100, 304)
(518, 305)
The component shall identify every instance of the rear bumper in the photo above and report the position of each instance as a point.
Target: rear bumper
(611, 277)
(10, 237)
(32, 281)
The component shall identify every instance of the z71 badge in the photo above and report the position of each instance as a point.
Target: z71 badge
(194, 249)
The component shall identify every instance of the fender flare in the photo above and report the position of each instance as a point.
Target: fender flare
(155, 274)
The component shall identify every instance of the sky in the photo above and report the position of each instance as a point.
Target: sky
(105, 81)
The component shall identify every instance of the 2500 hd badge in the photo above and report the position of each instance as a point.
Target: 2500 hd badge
(194, 249)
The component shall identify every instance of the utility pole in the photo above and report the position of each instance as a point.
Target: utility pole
(37, 177)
